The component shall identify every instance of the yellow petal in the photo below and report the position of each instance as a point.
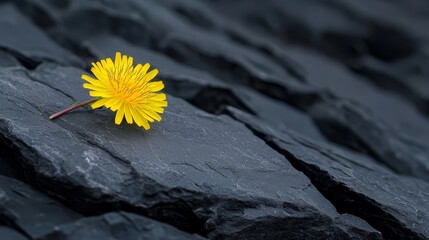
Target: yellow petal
(136, 117)
(88, 78)
(158, 97)
(140, 120)
(119, 115)
(107, 63)
(111, 102)
(110, 64)
(156, 86)
(92, 80)
(130, 62)
(145, 124)
(128, 115)
(99, 94)
(117, 105)
(145, 116)
(118, 60)
(150, 75)
(103, 63)
(159, 103)
(144, 69)
(152, 114)
(154, 108)
(99, 103)
(124, 61)
(93, 87)
(99, 74)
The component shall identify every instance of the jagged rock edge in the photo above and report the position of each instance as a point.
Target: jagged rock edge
(331, 189)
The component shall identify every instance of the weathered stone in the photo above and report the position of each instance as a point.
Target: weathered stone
(209, 174)
(322, 26)
(7, 170)
(182, 80)
(42, 12)
(204, 16)
(117, 226)
(32, 51)
(327, 74)
(407, 77)
(7, 60)
(395, 205)
(344, 122)
(206, 91)
(10, 234)
(319, 71)
(189, 45)
(41, 217)
(202, 173)
(344, 29)
(32, 212)
(399, 28)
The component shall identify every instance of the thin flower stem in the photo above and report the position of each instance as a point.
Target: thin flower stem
(71, 108)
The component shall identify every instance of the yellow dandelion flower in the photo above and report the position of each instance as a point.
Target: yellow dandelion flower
(125, 89)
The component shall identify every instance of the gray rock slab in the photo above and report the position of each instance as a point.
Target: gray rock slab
(7, 233)
(42, 13)
(407, 77)
(117, 226)
(29, 42)
(201, 173)
(396, 205)
(408, 17)
(183, 81)
(346, 123)
(205, 16)
(8, 60)
(204, 50)
(326, 73)
(205, 90)
(309, 23)
(41, 217)
(29, 210)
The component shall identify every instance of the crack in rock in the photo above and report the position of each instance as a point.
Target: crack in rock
(392, 204)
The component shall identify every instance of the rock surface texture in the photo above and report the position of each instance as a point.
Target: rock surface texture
(287, 119)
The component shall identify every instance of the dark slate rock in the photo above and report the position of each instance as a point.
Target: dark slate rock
(206, 91)
(344, 122)
(183, 81)
(7, 170)
(39, 48)
(42, 12)
(8, 60)
(201, 173)
(328, 74)
(230, 62)
(204, 16)
(398, 206)
(27, 209)
(117, 226)
(317, 69)
(406, 19)
(41, 217)
(342, 29)
(310, 23)
(283, 18)
(278, 114)
(407, 77)
(320, 72)
(10, 234)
